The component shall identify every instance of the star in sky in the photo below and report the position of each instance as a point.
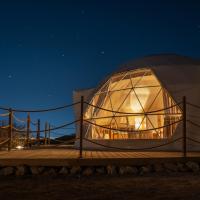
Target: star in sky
(10, 76)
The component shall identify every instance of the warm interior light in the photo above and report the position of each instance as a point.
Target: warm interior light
(124, 94)
(136, 103)
(19, 147)
(138, 121)
(106, 136)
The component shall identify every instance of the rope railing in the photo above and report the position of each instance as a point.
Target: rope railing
(133, 149)
(33, 123)
(51, 129)
(18, 120)
(4, 114)
(131, 131)
(4, 142)
(40, 110)
(193, 116)
(192, 132)
(20, 130)
(4, 127)
(193, 123)
(127, 113)
(165, 111)
(69, 128)
(193, 105)
(193, 140)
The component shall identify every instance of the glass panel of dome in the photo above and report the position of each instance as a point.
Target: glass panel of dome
(90, 111)
(142, 99)
(131, 103)
(118, 99)
(105, 87)
(102, 114)
(147, 96)
(122, 85)
(139, 72)
(148, 79)
(135, 79)
(155, 101)
(140, 123)
(115, 80)
(106, 103)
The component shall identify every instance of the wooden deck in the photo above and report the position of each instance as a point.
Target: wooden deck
(62, 157)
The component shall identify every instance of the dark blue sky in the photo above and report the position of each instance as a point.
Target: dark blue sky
(49, 48)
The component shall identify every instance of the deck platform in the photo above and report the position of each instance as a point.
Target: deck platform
(70, 157)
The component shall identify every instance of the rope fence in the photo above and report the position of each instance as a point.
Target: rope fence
(193, 123)
(80, 122)
(193, 140)
(19, 120)
(4, 114)
(33, 123)
(133, 149)
(40, 110)
(25, 132)
(51, 129)
(131, 131)
(5, 127)
(4, 142)
(193, 105)
(131, 113)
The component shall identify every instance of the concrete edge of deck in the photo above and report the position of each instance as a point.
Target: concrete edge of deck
(94, 161)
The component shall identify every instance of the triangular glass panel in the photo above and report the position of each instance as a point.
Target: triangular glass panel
(104, 88)
(155, 99)
(115, 81)
(148, 79)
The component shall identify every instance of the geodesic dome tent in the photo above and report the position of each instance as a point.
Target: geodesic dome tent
(139, 105)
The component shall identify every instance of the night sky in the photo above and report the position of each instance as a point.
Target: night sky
(50, 48)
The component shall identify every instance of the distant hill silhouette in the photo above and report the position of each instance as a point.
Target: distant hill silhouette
(66, 139)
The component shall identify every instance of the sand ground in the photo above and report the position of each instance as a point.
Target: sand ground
(171, 186)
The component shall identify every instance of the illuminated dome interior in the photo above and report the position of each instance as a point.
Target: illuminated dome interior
(133, 103)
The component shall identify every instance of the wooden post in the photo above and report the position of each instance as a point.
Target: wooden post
(81, 128)
(10, 129)
(38, 132)
(49, 133)
(28, 130)
(184, 129)
(45, 133)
